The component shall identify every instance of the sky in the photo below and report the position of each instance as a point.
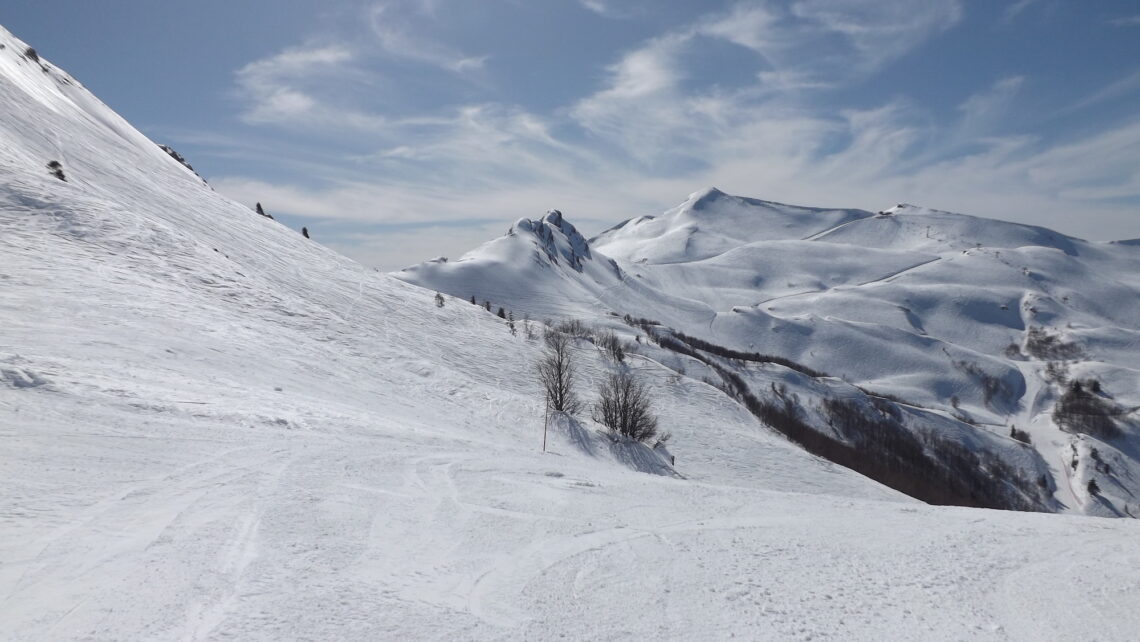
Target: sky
(401, 130)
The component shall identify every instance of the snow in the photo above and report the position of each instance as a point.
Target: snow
(920, 304)
(215, 428)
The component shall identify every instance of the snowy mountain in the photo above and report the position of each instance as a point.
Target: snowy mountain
(214, 427)
(1014, 342)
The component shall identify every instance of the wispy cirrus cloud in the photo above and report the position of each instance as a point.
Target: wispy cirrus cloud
(604, 8)
(395, 25)
(1126, 21)
(277, 88)
(1129, 84)
(1016, 9)
(651, 129)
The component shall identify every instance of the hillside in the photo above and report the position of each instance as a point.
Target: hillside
(216, 428)
(994, 333)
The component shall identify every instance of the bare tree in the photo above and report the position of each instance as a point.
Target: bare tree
(557, 374)
(528, 329)
(623, 407)
(610, 345)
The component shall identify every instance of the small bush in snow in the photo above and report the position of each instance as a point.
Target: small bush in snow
(1020, 435)
(1057, 372)
(1081, 411)
(55, 168)
(611, 346)
(574, 328)
(623, 406)
(1043, 345)
(31, 54)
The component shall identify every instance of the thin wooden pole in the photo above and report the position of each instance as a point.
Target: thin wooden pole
(545, 424)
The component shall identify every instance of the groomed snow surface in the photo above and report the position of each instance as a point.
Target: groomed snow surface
(214, 428)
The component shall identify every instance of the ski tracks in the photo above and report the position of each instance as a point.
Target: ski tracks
(156, 534)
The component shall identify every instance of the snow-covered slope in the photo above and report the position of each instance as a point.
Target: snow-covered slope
(979, 320)
(711, 223)
(215, 428)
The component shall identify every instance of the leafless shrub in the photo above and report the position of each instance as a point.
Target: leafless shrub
(623, 406)
(1020, 435)
(574, 328)
(1043, 345)
(557, 374)
(610, 345)
(1082, 411)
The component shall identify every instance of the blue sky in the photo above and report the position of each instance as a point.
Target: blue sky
(400, 130)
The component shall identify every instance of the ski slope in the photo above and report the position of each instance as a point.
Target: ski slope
(214, 428)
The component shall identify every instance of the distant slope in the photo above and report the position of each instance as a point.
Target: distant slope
(938, 309)
(710, 223)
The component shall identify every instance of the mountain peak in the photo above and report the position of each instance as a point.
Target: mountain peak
(907, 208)
(706, 197)
(556, 237)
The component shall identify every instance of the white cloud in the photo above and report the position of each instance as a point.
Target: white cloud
(293, 88)
(273, 86)
(1015, 9)
(602, 8)
(778, 155)
(755, 27)
(394, 25)
(1117, 89)
(982, 111)
(398, 248)
(645, 139)
(1127, 21)
(879, 31)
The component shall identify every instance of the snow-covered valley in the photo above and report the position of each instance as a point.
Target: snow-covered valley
(214, 427)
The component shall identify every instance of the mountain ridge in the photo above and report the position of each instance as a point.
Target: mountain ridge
(936, 308)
